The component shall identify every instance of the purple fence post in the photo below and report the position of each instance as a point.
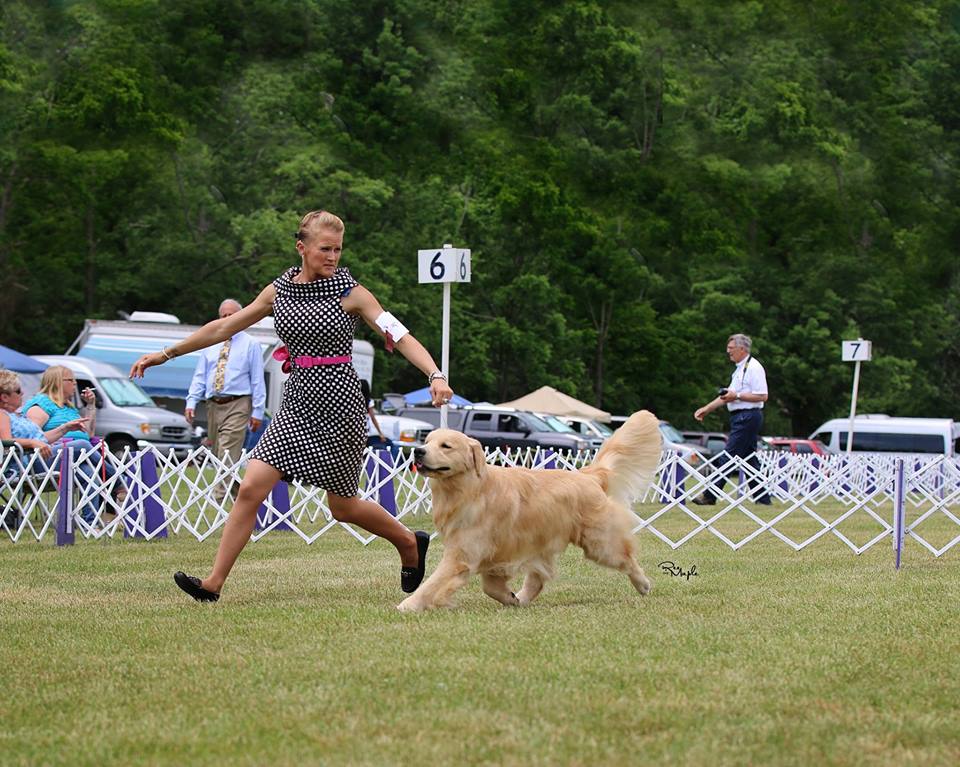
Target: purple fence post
(65, 500)
(280, 497)
(551, 456)
(152, 504)
(679, 477)
(385, 491)
(899, 514)
(784, 485)
(871, 473)
(844, 466)
(815, 464)
(153, 516)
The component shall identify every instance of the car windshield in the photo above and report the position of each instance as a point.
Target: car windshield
(604, 430)
(125, 393)
(556, 424)
(670, 433)
(537, 423)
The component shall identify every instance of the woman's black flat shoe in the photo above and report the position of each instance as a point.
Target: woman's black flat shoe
(191, 584)
(411, 577)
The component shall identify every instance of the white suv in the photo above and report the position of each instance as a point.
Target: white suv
(404, 432)
(594, 431)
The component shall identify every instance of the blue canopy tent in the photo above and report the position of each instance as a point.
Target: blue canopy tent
(171, 379)
(422, 397)
(20, 363)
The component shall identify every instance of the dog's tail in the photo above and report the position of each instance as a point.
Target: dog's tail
(627, 462)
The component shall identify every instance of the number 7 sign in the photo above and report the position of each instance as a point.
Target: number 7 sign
(857, 351)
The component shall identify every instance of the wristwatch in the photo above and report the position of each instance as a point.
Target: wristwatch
(737, 396)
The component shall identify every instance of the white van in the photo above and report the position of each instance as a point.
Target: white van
(883, 434)
(126, 416)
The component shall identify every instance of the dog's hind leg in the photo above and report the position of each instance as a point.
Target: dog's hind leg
(496, 586)
(611, 544)
(532, 586)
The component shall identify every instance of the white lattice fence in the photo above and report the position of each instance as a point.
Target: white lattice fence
(853, 499)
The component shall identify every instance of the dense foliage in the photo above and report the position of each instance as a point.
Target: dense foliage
(635, 180)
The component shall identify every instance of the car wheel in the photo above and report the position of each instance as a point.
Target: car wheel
(118, 444)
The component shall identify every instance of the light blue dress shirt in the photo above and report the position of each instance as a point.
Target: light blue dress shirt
(244, 374)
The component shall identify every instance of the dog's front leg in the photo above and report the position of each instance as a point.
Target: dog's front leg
(437, 590)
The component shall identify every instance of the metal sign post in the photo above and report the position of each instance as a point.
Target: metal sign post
(855, 351)
(447, 264)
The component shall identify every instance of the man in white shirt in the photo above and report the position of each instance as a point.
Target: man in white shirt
(229, 376)
(744, 398)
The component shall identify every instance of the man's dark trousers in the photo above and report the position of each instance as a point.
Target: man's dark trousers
(745, 428)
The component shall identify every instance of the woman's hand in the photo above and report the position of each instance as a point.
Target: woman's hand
(146, 361)
(440, 392)
(77, 424)
(88, 397)
(37, 444)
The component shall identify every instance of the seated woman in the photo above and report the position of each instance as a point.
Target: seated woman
(52, 406)
(52, 411)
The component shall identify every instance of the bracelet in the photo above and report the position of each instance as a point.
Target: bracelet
(167, 356)
(435, 375)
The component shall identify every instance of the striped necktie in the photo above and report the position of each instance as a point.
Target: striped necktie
(221, 373)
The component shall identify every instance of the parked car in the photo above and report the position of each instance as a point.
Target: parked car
(500, 427)
(558, 424)
(673, 440)
(594, 431)
(883, 434)
(126, 415)
(403, 432)
(709, 443)
(794, 445)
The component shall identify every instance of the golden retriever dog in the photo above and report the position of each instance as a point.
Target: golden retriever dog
(502, 521)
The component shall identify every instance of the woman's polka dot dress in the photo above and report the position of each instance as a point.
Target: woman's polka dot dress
(319, 433)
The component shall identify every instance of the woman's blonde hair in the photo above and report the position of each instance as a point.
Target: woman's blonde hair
(319, 219)
(51, 383)
(9, 381)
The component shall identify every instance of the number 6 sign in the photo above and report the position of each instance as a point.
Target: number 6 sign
(444, 264)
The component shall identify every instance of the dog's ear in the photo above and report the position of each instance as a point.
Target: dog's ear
(479, 457)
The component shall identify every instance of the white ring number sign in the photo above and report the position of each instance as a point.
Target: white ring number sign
(857, 351)
(443, 265)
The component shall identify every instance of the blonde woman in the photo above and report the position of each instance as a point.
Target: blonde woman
(319, 433)
(52, 406)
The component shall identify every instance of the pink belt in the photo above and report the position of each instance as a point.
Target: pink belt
(310, 362)
(283, 355)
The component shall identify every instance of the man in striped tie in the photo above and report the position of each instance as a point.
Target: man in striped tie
(229, 377)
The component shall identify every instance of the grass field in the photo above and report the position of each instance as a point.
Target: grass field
(766, 656)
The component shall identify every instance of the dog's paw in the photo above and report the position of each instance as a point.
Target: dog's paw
(408, 606)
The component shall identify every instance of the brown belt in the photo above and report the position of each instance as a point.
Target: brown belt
(227, 398)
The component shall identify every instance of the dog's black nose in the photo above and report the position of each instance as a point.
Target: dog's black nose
(418, 452)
